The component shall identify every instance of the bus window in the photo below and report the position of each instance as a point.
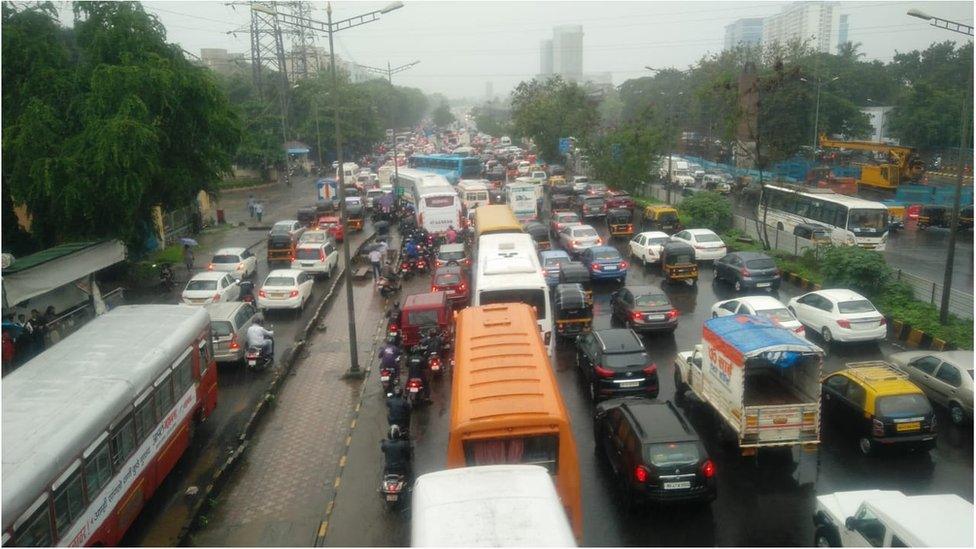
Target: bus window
(69, 499)
(98, 469)
(123, 442)
(36, 528)
(532, 450)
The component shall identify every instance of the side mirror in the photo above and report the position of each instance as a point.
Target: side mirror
(850, 523)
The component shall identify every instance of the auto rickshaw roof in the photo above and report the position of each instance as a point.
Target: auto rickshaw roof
(574, 271)
(619, 213)
(677, 247)
(571, 296)
(536, 229)
(429, 300)
(656, 208)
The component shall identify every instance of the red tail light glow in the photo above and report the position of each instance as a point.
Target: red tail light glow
(637, 315)
(708, 469)
(293, 293)
(595, 266)
(233, 342)
(672, 314)
(262, 293)
(216, 298)
(843, 323)
(600, 371)
(641, 474)
(210, 267)
(650, 370)
(623, 264)
(744, 272)
(883, 321)
(321, 254)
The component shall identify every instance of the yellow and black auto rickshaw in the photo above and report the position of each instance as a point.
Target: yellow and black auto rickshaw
(620, 223)
(934, 216)
(354, 217)
(661, 218)
(966, 217)
(574, 272)
(572, 310)
(539, 234)
(678, 262)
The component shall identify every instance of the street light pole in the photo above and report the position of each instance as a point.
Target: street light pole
(667, 186)
(816, 116)
(963, 138)
(389, 72)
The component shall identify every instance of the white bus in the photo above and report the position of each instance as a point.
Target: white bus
(488, 506)
(349, 171)
(438, 208)
(509, 271)
(473, 193)
(521, 198)
(851, 220)
(93, 425)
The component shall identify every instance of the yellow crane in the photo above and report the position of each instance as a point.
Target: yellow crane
(902, 166)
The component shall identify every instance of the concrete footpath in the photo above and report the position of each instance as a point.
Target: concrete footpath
(280, 493)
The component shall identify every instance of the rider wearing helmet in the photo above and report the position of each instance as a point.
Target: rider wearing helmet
(389, 356)
(398, 409)
(396, 453)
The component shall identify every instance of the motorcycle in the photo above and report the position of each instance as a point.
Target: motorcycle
(167, 277)
(247, 291)
(393, 489)
(407, 267)
(388, 286)
(388, 380)
(414, 388)
(259, 359)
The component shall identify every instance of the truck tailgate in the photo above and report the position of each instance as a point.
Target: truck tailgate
(780, 425)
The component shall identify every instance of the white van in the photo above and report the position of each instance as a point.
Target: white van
(473, 192)
(505, 141)
(349, 171)
(488, 506)
(522, 199)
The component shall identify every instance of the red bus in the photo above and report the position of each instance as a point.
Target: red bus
(93, 425)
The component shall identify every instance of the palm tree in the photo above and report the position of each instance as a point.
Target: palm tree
(849, 50)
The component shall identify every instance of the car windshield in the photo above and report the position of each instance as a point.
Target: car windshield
(225, 259)
(201, 285)
(870, 220)
(657, 241)
(856, 306)
(447, 279)
(555, 262)
(593, 201)
(777, 315)
(588, 231)
(651, 300)
(220, 328)
(307, 253)
(534, 298)
(314, 237)
(279, 229)
(671, 453)
(567, 218)
(626, 360)
(764, 263)
(914, 404)
(707, 237)
(422, 318)
(606, 254)
(285, 281)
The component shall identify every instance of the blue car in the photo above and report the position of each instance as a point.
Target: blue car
(551, 261)
(604, 262)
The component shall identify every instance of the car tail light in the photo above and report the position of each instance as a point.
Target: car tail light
(672, 314)
(321, 254)
(877, 427)
(702, 248)
(433, 289)
(576, 243)
(600, 371)
(623, 264)
(462, 286)
(883, 321)
(210, 267)
(743, 271)
(404, 266)
(637, 315)
(233, 342)
(843, 323)
(708, 469)
(293, 293)
(800, 331)
(216, 298)
(641, 474)
(262, 293)
(650, 369)
(599, 240)
(595, 266)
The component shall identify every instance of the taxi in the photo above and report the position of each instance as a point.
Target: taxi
(881, 405)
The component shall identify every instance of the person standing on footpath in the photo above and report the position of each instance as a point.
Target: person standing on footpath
(251, 202)
(258, 210)
(376, 262)
(188, 258)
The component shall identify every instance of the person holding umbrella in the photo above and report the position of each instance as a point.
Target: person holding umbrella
(188, 253)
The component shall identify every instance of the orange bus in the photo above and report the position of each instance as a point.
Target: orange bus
(505, 402)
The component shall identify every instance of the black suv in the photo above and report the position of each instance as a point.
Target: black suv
(615, 363)
(653, 452)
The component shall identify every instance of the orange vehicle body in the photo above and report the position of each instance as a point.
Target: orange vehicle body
(505, 401)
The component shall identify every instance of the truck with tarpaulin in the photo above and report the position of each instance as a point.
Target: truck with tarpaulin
(762, 380)
(326, 193)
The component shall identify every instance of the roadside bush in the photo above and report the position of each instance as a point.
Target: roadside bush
(863, 271)
(707, 210)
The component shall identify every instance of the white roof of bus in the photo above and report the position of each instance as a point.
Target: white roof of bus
(488, 506)
(849, 201)
(473, 184)
(422, 176)
(436, 190)
(58, 403)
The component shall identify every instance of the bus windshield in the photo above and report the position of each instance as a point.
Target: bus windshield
(534, 298)
(867, 220)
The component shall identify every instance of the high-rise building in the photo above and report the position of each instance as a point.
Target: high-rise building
(567, 52)
(545, 57)
(746, 31)
(220, 61)
(842, 29)
(813, 22)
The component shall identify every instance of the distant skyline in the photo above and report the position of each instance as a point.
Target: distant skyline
(464, 45)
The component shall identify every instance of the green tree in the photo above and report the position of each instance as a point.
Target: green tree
(623, 156)
(493, 120)
(550, 110)
(864, 271)
(442, 116)
(106, 120)
(707, 209)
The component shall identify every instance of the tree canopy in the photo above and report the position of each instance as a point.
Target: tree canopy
(547, 111)
(442, 116)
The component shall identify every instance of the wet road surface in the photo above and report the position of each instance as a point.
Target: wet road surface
(769, 501)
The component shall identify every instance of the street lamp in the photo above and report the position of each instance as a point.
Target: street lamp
(816, 115)
(881, 131)
(964, 135)
(667, 187)
(331, 28)
(389, 72)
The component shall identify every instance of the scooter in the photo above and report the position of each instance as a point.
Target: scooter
(415, 386)
(259, 359)
(393, 488)
(388, 286)
(167, 278)
(247, 291)
(389, 381)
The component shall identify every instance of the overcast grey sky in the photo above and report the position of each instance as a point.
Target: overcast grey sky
(463, 45)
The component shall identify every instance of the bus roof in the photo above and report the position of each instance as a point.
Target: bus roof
(502, 369)
(58, 403)
(488, 506)
(827, 194)
(495, 218)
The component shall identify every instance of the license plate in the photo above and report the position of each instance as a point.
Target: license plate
(863, 325)
(252, 362)
(912, 426)
(655, 317)
(609, 268)
(629, 384)
(762, 285)
(307, 264)
(391, 497)
(414, 390)
(384, 378)
(684, 484)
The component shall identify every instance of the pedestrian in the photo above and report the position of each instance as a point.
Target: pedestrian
(8, 350)
(376, 262)
(258, 210)
(385, 249)
(188, 258)
(250, 205)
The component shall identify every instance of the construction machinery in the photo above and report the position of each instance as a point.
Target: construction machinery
(902, 166)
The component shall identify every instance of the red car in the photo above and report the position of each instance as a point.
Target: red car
(619, 200)
(452, 280)
(331, 223)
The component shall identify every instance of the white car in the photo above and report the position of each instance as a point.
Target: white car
(524, 167)
(760, 305)
(646, 247)
(576, 238)
(315, 236)
(211, 287)
(319, 258)
(237, 261)
(840, 315)
(287, 226)
(285, 289)
(372, 195)
(708, 246)
(539, 176)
